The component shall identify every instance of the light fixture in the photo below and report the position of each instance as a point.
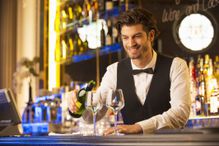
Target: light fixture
(195, 32)
(53, 67)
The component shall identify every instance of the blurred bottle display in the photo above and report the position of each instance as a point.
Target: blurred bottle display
(204, 86)
(69, 44)
(45, 111)
(71, 14)
(49, 108)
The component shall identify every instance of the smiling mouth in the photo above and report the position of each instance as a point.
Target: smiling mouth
(133, 50)
(136, 47)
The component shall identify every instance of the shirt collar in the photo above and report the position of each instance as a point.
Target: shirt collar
(151, 64)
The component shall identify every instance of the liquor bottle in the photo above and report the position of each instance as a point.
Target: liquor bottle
(115, 34)
(64, 21)
(64, 49)
(76, 45)
(57, 23)
(102, 6)
(78, 12)
(85, 44)
(80, 45)
(70, 45)
(193, 85)
(86, 8)
(81, 97)
(212, 81)
(28, 114)
(206, 75)
(109, 39)
(115, 3)
(214, 102)
(199, 101)
(70, 13)
(216, 68)
(102, 36)
(122, 5)
(58, 54)
(96, 10)
(109, 5)
(53, 109)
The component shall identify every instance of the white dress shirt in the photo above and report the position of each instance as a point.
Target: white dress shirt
(178, 114)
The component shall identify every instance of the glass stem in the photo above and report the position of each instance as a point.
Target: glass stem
(94, 122)
(115, 123)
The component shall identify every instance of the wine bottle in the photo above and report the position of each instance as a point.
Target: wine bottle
(80, 45)
(102, 36)
(95, 10)
(85, 44)
(109, 5)
(109, 34)
(115, 33)
(81, 97)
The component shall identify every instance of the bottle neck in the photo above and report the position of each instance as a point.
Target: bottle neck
(30, 100)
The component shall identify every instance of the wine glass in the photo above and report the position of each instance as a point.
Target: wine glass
(93, 103)
(115, 101)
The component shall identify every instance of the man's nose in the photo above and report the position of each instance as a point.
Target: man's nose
(131, 42)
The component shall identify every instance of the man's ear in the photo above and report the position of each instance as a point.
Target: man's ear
(151, 35)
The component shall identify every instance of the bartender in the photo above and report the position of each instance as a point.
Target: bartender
(155, 87)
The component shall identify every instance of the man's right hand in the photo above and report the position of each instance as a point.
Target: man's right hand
(72, 101)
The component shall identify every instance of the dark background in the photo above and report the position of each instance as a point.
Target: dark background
(168, 28)
(166, 42)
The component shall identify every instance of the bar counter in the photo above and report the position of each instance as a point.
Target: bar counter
(167, 138)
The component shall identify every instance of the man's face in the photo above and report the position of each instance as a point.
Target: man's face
(136, 42)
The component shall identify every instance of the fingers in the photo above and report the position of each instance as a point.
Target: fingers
(126, 129)
(109, 112)
(112, 130)
(109, 131)
(72, 99)
(73, 108)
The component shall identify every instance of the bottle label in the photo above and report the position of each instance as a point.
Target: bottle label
(81, 93)
(78, 104)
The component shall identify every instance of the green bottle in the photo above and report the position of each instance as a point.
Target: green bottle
(81, 97)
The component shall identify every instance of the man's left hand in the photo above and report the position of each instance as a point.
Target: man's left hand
(126, 129)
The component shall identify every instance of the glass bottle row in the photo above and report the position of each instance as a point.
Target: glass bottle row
(204, 75)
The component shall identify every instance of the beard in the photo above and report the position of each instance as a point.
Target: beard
(135, 52)
(134, 56)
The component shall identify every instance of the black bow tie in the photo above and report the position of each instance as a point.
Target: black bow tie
(147, 70)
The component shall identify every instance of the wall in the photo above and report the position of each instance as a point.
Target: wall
(28, 43)
(169, 12)
(7, 42)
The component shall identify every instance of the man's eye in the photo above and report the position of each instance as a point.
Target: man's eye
(138, 36)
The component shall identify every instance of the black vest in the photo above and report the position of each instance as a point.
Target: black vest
(158, 97)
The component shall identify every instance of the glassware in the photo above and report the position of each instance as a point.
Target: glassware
(115, 102)
(93, 103)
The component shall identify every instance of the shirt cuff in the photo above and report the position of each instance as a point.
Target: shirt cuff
(147, 126)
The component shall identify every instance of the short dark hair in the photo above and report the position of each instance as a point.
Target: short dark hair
(138, 16)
